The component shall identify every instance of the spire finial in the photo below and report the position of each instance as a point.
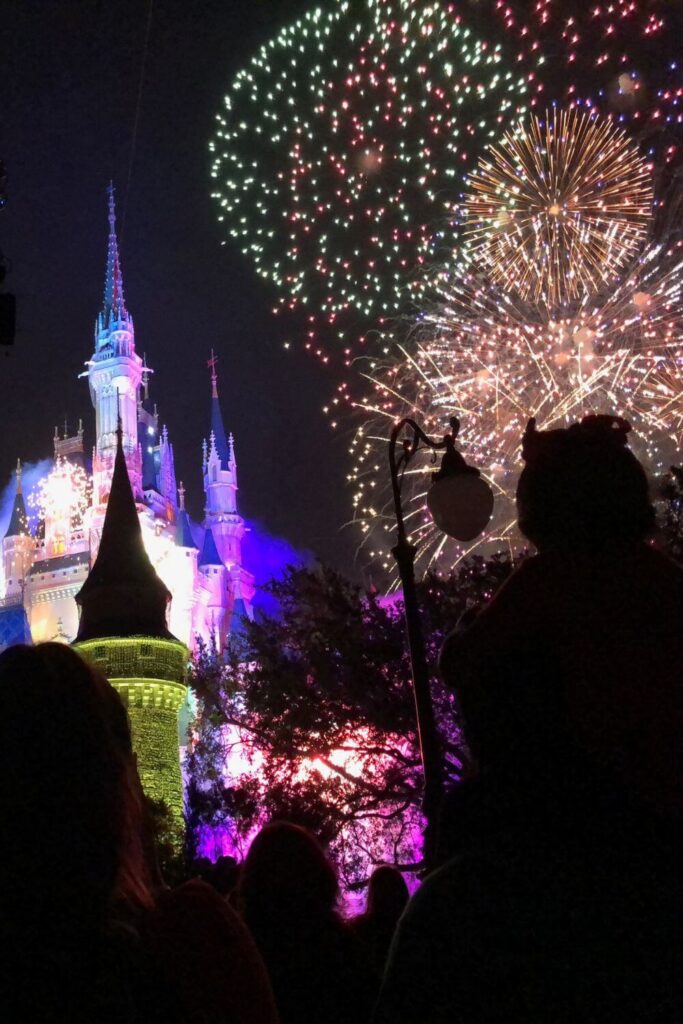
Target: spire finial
(181, 496)
(18, 475)
(212, 364)
(113, 282)
(231, 447)
(112, 209)
(217, 426)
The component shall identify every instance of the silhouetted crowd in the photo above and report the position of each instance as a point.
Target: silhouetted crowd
(559, 894)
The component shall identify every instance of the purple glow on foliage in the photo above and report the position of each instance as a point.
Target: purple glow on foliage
(222, 841)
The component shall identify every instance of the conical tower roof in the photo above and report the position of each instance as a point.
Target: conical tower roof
(183, 532)
(18, 519)
(209, 555)
(122, 596)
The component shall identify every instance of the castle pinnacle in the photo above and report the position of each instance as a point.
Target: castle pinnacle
(114, 302)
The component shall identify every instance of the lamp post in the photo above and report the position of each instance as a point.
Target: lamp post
(461, 503)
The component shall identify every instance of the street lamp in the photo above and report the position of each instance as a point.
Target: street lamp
(461, 503)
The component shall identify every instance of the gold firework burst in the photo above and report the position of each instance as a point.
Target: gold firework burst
(558, 207)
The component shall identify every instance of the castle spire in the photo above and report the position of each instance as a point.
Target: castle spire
(114, 360)
(212, 363)
(122, 596)
(18, 523)
(216, 415)
(114, 302)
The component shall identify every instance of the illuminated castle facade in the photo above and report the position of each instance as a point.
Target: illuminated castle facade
(200, 563)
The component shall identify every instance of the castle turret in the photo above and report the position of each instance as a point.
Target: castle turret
(228, 587)
(220, 484)
(114, 374)
(215, 592)
(18, 547)
(123, 631)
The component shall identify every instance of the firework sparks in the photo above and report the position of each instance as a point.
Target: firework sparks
(342, 144)
(480, 355)
(60, 501)
(621, 57)
(556, 208)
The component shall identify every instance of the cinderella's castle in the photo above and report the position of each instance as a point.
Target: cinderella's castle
(200, 563)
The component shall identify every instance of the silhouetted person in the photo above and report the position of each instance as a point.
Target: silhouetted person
(225, 876)
(288, 893)
(387, 898)
(564, 900)
(86, 934)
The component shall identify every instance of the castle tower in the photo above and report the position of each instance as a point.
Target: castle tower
(123, 631)
(114, 375)
(220, 484)
(18, 548)
(215, 594)
(228, 588)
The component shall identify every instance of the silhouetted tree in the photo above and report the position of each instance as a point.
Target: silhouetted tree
(312, 718)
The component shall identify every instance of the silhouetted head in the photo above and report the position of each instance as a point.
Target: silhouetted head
(387, 894)
(225, 875)
(287, 873)
(69, 794)
(582, 486)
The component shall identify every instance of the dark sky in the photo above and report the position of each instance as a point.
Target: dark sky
(70, 71)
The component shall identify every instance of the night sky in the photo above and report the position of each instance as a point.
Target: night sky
(70, 75)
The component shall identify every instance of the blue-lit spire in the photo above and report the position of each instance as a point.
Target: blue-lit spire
(183, 533)
(217, 417)
(18, 523)
(209, 555)
(114, 302)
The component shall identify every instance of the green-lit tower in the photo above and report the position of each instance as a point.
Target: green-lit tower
(123, 631)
